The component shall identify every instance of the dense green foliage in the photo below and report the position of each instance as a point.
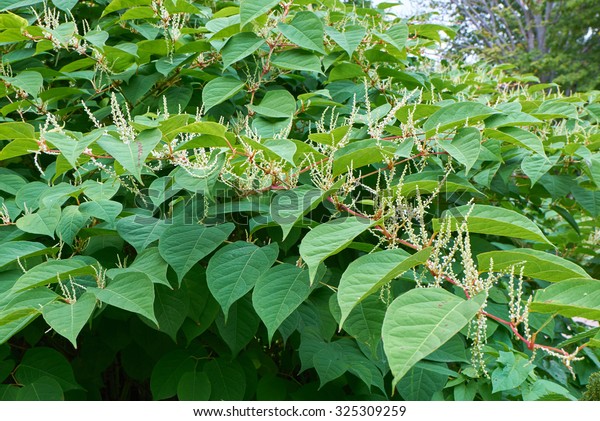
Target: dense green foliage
(264, 200)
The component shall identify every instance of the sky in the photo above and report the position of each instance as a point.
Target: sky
(410, 8)
(406, 9)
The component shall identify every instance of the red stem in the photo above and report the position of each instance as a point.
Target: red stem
(531, 345)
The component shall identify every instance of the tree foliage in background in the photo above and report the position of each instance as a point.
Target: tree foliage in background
(558, 40)
(265, 200)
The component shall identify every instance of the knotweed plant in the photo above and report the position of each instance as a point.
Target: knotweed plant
(210, 200)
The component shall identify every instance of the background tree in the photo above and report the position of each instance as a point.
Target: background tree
(556, 40)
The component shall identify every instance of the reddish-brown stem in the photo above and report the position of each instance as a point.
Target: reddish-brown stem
(268, 188)
(380, 228)
(402, 161)
(276, 43)
(557, 350)
(531, 345)
(404, 136)
(57, 152)
(345, 208)
(406, 243)
(511, 326)
(309, 167)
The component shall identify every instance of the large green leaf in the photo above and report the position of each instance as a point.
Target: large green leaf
(18, 147)
(96, 190)
(365, 321)
(512, 119)
(219, 90)
(168, 371)
(422, 381)
(12, 321)
(11, 182)
(203, 309)
(588, 199)
(570, 298)
(223, 27)
(328, 239)
(234, 270)
(276, 104)
(42, 389)
(35, 298)
(333, 137)
(415, 112)
(70, 223)
(57, 195)
(70, 147)
(251, 9)
(28, 197)
(452, 351)
(193, 386)
(148, 262)
(289, 206)
(131, 292)
(333, 359)
(44, 221)
(595, 341)
(542, 389)
(305, 30)
(329, 362)
(13, 250)
(182, 246)
(115, 5)
(64, 5)
(227, 379)
(555, 108)
(202, 180)
(297, 60)
(140, 231)
(365, 275)
(240, 327)
(28, 81)
(53, 271)
(420, 321)
(278, 293)
(512, 371)
(209, 128)
(566, 215)
(361, 153)
(492, 220)
(430, 181)
(535, 263)
(349, 39)
(40, 362)
(344, 71)
(106, 210)
(67, 319)
(16, 129)
(132, 156)
(519, 137)
(464, 147)
(396, 36)
(535, 166)
(240, 46)
(455, 115)
(11, 20)
(171, 308)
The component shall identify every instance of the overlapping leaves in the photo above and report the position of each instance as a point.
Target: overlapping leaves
(210, 206)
